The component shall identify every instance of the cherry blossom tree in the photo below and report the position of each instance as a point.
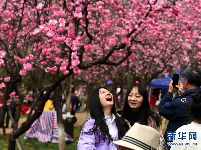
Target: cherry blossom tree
(58, 36)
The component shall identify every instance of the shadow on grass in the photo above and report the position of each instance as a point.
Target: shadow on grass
(33, 144)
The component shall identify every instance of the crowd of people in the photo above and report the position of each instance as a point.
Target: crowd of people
(12, 103)
(137, 126)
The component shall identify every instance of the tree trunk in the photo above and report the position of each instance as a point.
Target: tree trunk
(38, 109)
(60, 121)
(18, 140)
(69, 95)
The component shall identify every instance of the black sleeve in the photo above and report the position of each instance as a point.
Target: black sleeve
(74, 101)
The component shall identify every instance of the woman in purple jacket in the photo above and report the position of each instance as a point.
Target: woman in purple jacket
(104, 126)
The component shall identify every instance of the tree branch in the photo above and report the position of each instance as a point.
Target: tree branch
(121, 61)
(147, 14)
(87, 23)
(87, 64)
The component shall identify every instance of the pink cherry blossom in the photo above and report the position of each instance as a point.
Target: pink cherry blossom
(2, 54)
(62, 22)
(43, 63)
(52, 22)
(27, 66)
(76, 70)
(64, 63)
(58, 60)
(31, 57)
(50, 33)
(75, 62)
(47, 70)
(40, 6)
(87, 47)
(63, 68)
(2, 85)
(1, 62)
(22, 72)
(79, 1)
(12, 94)
(36, 31)
(78, 13)
(71, 34)
(54, 68)
(7, 79)
(65, 72)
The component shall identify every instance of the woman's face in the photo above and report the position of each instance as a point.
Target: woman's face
(135, 99)
(106, 98)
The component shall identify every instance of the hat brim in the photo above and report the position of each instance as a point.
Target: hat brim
(127, 144)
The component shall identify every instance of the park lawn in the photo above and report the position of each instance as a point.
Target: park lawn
(33, 144)
(23, 116)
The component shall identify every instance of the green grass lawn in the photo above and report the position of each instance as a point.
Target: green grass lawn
(33, 144)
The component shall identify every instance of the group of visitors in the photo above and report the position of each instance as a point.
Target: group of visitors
(137, 126)
(74, 106)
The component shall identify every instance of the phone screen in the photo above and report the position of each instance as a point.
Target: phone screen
(175, 79)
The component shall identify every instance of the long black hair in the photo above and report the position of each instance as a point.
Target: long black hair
(145, 111)
(100, 127)
(196, 107)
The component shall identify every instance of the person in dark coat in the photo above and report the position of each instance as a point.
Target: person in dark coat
(174, 109)
(74, 102)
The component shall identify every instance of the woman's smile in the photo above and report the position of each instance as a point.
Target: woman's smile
(133, 103)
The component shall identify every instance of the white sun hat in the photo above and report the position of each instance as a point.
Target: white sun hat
(140, 137)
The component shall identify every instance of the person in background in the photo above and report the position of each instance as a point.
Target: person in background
(175, 109)
(192, 131)
(136, 109)
(164, 121)
(104, 126)
(139, 137)
(63, 106)
(153, 100)
(12, 108)
(74, 102)
(48, 105)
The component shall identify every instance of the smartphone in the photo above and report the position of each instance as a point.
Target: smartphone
(175, 79)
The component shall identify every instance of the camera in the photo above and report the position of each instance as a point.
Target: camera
(175, 79)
